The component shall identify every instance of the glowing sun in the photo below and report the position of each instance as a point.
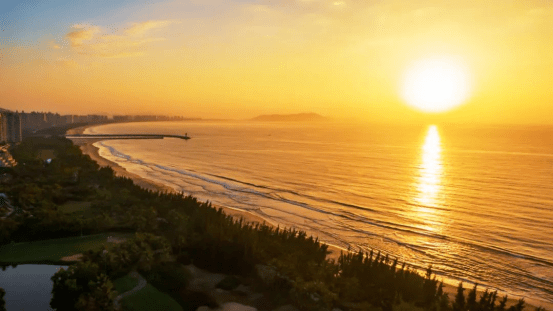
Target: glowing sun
(436, 85)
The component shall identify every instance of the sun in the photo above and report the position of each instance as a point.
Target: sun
(436, 85)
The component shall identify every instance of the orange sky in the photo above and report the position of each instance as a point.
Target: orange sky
(238, 59)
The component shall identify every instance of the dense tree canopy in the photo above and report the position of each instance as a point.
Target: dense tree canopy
(82, 286)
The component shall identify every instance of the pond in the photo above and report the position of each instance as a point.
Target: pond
(28, 287)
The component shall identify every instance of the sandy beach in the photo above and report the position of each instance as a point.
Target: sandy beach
(87, 147)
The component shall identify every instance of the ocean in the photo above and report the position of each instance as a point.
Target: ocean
(476, 203)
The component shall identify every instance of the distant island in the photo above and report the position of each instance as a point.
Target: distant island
(298, 117)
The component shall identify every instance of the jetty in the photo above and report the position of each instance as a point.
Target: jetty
(125, 136)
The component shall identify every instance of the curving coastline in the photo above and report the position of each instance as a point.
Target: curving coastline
(88, 148)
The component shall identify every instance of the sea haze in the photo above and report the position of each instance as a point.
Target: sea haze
(476, 203)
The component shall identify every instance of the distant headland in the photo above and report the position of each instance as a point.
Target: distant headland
(298, 117)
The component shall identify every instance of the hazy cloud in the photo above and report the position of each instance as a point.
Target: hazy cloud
(141, 28)
(67, 63)
(124, 54)
(54, 45)
(89, 40)
(76, 37)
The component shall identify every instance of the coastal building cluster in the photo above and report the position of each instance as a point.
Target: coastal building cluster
(33, 121)
(14, 125)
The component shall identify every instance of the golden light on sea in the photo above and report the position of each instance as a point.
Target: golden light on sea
(429, 184)
(430, 169)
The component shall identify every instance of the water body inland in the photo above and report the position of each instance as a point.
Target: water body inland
(28, 287)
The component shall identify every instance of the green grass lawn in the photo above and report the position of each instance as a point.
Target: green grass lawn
(125, 283)
(53, 250)
(149, 298)
(74, 207)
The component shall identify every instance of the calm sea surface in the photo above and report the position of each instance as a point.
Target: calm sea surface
(476, 203)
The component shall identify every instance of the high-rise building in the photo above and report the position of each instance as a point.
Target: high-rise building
(10, 127)
(3, 128)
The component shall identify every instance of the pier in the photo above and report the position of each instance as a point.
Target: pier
(125, 136)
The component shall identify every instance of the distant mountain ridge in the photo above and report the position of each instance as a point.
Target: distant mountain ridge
(298, 117)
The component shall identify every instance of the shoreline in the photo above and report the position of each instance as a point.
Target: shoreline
(87, 147)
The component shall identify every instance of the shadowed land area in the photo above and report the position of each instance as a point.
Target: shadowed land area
(149, 298)
(125, 283)
(54, 250)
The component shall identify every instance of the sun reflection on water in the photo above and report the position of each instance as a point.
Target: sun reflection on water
(430, 169)
(429, 183)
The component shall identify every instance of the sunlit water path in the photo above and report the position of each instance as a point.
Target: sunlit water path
(476, 203)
